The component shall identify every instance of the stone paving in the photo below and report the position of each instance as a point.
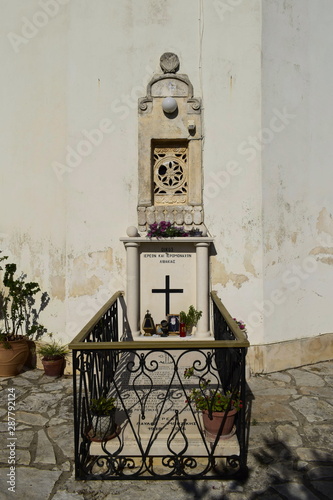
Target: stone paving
(290, 443)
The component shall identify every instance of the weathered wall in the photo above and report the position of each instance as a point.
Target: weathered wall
(231, 86)
(296, 164)
(69, 149)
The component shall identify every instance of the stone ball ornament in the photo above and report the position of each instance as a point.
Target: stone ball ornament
(132, 232)
(169, 105)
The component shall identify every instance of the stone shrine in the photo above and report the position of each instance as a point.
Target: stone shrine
(167, 275)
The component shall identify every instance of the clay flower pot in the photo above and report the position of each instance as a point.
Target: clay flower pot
(54, 367)
(13, 359)
(212, 426)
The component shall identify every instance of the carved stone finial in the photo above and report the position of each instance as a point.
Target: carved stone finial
(169, 62)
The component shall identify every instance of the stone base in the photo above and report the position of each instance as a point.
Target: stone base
(159, 448)
(290, 354)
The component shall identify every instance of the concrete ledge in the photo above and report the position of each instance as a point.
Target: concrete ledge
(290, 354)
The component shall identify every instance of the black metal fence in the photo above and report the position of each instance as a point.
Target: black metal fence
(156, 431)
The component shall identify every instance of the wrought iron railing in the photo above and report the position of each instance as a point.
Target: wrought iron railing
(156, 431)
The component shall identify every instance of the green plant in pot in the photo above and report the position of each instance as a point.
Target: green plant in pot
(54, 358)
(218, 407)
(19, 319)
(190, 319)
(103, 424)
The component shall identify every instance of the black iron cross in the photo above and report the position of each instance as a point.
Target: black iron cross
(167, 290)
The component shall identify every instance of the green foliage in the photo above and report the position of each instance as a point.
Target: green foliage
(191, 318)
(52, 350)
(206, 397)
(103, 406)
(18, 313)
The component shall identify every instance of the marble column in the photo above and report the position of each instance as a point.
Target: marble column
(202, 263)
(133, 287)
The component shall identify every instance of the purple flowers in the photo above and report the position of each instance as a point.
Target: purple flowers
(165, 229)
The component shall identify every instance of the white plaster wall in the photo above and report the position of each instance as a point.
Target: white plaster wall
(85, 69)
(297, 172)
(33, 128)
(231, 83)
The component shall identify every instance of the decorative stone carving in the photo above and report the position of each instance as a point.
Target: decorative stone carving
(170, 150)
(193, 106)
(197, 216)
(188, 219)
(159, 214)
(170, 176)
(150, 215)
(179, 216)
(169, 62)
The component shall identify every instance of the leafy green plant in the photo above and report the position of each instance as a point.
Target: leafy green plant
(18, 313)
(52, 351)
(191, 318)
(206, 397)
(103, 406)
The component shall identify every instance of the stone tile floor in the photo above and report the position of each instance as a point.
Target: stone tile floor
(290, 443)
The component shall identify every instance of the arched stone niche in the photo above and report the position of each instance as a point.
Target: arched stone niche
(170, 150)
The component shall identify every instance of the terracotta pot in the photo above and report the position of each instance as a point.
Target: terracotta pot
(54, 367)
(12, 360)
(213, 426)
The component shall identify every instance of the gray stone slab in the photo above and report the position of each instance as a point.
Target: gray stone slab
(4, 426)
(313, 409)
(32, 374)
(57, 421)
(32, 484)
(24, 438)
(63, 436)
(280, 376)
(23, 382)
(269, 495)
(322, 472)
(30, 418)
(4, 395)
(295, 491)
(64, 495)
(322, 392)
(329, 380)
(324, 487)
(265, 409)
(305, 378)
(288, 434)
(260, 383)
(320, 436)
(55, 386)
(325, 367)
(44, 453)
(23, 457)
(314, 455)
(258, 433)
(41, 403)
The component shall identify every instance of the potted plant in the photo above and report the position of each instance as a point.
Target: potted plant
(18, 319)
(190, 319)
(54, 358)
(217, 407)
(103, 424)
